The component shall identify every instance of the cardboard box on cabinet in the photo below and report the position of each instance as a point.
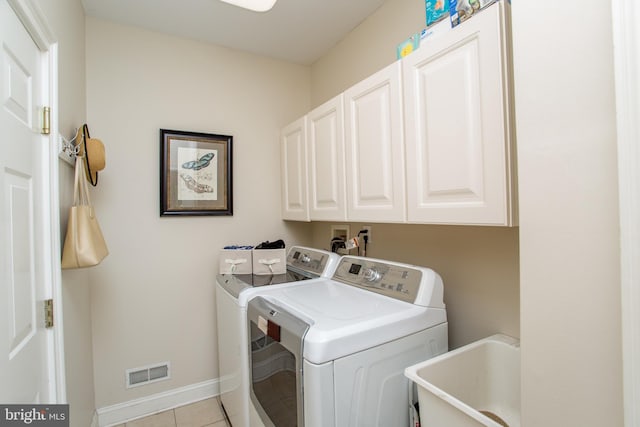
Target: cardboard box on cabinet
(436, 10)
(461, 10)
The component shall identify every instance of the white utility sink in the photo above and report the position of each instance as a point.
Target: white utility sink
(475, 385)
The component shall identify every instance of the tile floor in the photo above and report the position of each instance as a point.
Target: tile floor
(206, 413)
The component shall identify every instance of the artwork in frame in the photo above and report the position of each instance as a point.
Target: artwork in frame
(195, 173)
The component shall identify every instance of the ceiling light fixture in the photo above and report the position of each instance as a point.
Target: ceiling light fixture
(255, 5)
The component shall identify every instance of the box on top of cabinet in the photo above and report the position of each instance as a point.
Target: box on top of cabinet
(408, 46)
(436, 10)
(438, 29)
(461, 10)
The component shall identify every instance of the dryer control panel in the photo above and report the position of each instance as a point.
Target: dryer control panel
(416, 285)
(310, 262)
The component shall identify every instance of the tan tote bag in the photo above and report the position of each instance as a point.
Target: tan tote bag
(84, 244)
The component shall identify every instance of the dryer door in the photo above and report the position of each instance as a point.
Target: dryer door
(276, 339)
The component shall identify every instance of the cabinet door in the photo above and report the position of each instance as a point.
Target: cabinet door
(294, 171)
(457, 126)
(325, 154)
(373, 148)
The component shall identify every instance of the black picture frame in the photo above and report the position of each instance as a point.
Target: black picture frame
(195, 173)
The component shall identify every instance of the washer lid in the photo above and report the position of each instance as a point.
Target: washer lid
(345, 319)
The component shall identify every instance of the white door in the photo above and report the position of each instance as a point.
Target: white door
(374, 148)
(325, 153)
(293, 157)
(25, 343)
(457, 126)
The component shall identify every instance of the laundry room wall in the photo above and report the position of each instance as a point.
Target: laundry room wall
(368, 48)
(569, 224)
(479, 265)
(153, 297)
(66, 21)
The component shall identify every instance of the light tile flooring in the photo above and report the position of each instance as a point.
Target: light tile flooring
(206, 413)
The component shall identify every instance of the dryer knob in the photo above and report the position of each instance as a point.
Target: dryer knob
(371, 275)
(304, 258)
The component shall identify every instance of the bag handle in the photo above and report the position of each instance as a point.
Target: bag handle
(80, 188)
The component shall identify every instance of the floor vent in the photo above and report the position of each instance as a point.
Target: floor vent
(147, 374)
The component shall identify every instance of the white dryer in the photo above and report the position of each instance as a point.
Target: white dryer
(332, 353)
(232, 293)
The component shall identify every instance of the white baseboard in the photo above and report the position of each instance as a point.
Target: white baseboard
(127, 411)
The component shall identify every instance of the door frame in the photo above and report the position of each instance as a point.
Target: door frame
(38, 28)
(626, 36)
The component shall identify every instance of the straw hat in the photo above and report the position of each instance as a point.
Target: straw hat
(93, 151)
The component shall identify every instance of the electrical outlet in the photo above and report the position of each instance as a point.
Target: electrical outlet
(368, 228)
(341, 231)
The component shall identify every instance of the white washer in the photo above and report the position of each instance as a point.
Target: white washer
(332, 353)
(232, 293)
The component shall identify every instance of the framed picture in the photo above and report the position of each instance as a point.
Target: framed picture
(195, 173)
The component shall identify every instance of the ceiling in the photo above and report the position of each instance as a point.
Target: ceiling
(299, 31)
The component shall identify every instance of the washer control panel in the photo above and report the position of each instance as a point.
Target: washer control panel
(308, 260)
(399, 281)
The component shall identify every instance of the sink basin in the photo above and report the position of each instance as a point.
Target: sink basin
(475, 385)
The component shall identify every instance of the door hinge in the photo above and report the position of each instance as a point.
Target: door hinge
(48, 313)
(46, 120)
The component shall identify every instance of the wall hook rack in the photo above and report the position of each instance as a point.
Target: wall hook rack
(68, 150)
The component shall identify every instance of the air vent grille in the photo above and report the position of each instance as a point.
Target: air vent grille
(147, 374)
(158, 372)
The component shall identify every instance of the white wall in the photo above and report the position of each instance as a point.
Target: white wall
(569, 234)
(367, 49)
(479, 265)
(153, 296)
(66, 18)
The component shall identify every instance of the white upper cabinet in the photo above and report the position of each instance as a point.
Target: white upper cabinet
(374, 150)
(428, 139)
(325, 165)
(293, 165)
(458, 134)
